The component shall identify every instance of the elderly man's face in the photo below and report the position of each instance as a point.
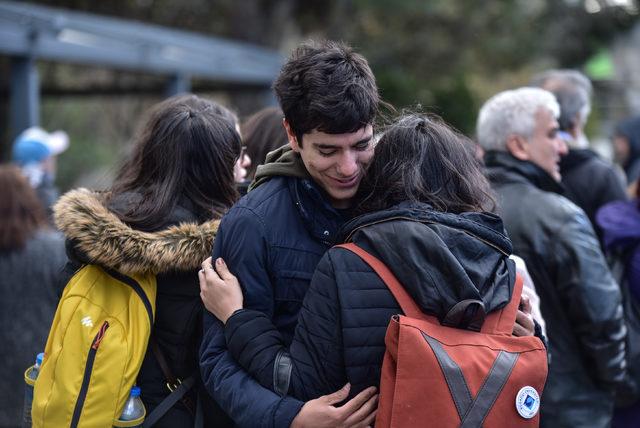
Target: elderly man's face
(544, 147)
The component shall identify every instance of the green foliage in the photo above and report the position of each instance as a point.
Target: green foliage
(600, 66)
(458, 104)
(87, 150)
(428, 52)
(446, 55)
(100, 130)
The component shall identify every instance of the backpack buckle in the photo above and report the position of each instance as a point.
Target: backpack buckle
(172, 386)
(467, 314)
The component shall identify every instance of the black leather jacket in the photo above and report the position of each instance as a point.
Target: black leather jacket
(580, 300)
(590, 183)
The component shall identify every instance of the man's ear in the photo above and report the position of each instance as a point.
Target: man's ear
(576, 126)
(293, 140)
(518, 147)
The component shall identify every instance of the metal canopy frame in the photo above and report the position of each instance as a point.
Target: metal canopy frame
(30, 32)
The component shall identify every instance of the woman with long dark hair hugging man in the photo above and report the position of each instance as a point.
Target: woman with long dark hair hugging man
(424, 211)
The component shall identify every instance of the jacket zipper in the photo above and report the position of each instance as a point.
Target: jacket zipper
(87, 374)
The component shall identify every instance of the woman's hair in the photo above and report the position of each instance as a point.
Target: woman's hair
(187, 148)
(420, 158)
(21, 212)
(263, 132)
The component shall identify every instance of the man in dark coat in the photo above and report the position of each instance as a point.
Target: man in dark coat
(579, 298)
(274, 237)
(589, 181)
(626, 147)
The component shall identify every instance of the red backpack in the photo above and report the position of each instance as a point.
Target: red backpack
(434, 375)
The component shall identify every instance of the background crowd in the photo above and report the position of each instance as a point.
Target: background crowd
(526, 179)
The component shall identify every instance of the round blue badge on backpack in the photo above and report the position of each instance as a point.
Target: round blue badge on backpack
(527, 402)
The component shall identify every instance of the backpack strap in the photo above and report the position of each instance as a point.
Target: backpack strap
(502, 321)
(173, 383)
(407, 304)
(199, 421)
(170, 401)
(137, 288)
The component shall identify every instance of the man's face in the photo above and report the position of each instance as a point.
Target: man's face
(336, 162)
(545, 147)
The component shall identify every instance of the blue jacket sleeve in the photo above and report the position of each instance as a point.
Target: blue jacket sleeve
(241, 242)
(317, 362)
(245, 401)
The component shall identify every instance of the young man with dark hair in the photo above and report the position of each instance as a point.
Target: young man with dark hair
(274, 237)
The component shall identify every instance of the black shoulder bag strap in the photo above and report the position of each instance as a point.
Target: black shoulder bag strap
(166, 404)
(178, 389)
(172, 381)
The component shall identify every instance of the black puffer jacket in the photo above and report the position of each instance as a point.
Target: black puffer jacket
(174, 253)
(439, 258)
(579, 299)
(590, 182)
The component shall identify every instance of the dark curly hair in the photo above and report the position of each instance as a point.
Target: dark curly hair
(327, 86)
(420, 158)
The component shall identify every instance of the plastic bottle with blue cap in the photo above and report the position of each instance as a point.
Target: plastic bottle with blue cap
(133, 413)
(30, 377)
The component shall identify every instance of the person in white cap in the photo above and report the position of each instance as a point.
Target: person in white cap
(35, 151)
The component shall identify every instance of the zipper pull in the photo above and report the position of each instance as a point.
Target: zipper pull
(100, 335)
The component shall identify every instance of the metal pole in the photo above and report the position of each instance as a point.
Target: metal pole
(24, 94)
(178, 84)
(268, 98)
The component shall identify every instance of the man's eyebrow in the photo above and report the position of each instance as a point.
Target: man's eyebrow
(326, 146)
(364, 140)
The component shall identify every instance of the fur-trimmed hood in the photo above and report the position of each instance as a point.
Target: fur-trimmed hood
(105, 240)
